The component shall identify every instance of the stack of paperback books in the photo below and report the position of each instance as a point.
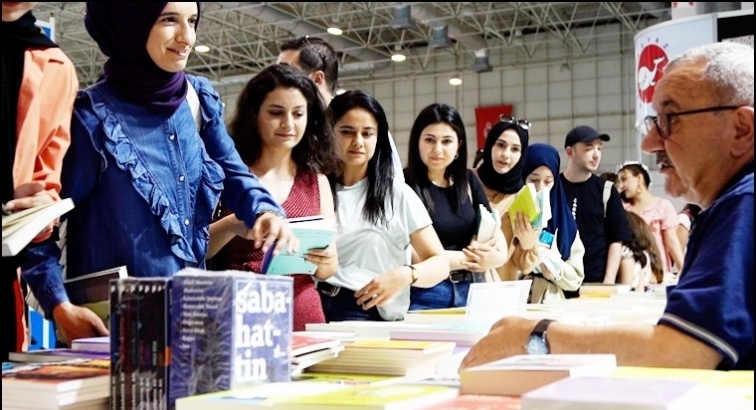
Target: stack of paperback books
(81, 384)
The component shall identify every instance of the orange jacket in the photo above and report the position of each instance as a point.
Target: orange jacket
(45, 104)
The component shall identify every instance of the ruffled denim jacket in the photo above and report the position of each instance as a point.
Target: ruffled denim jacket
(144, 188)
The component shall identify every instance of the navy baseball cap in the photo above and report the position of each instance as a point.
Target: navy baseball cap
(583, 133)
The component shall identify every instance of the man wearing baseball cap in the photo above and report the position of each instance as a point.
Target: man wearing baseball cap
(601, 221)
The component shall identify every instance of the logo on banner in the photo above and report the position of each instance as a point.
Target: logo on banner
(651, 63)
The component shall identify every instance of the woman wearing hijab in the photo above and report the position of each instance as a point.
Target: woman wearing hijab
(38, 91)
(149, 159)
(560, 250)
(501, 174)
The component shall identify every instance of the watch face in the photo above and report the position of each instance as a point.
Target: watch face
(536, 345)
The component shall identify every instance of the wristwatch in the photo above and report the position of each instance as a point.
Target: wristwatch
(415, 276)
(537, 343)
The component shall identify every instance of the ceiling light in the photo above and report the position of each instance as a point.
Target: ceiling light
(398, 56)
(334, 31)
(455, 80)
(201, 48)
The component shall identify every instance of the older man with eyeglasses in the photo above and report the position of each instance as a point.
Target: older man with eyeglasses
(703, 138)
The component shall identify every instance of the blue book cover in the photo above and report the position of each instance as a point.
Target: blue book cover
(313, 233)
(230, 329)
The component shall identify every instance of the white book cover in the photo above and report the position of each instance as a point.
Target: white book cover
(20, 228)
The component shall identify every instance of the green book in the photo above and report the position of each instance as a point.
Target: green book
(313, 233)
(526, 201)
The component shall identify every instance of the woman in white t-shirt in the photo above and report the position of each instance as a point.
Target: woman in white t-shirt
(379, 218)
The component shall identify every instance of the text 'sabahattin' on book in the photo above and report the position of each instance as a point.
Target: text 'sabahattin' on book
(231, 329)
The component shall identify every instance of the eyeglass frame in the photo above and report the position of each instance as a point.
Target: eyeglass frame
(667, 133)
(521, 122)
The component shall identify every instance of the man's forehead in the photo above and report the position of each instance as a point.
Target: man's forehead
(289, 57)
(677, 86)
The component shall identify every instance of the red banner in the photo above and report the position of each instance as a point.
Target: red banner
(486, 117)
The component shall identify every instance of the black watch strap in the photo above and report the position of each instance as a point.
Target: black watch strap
(540, 328)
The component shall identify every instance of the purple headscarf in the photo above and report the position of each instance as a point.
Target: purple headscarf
(121, 31)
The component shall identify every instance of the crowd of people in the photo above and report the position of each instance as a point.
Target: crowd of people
(160, 183)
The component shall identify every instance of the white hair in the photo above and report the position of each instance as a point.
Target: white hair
(728, 68)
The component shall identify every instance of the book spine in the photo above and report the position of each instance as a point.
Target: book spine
(116, 399)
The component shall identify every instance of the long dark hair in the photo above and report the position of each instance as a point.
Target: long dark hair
(380, 169)
(416, 173)
(643, 240)
(316, 152)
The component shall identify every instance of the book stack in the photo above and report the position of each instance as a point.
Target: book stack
(81, 384)
(20, 228)
(388, 357)
(463, 334)
(232, 329)
(307, 351)
(139, 346)
(517, 375)
(605, 393)
(373, 397)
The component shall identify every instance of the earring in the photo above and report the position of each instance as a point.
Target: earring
(456, 156)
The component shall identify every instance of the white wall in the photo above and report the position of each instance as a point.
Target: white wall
(598, 90)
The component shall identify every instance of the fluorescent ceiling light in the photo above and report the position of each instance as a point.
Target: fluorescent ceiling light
(455, 81)
(201, 48)
(334, 31)
(398, 57)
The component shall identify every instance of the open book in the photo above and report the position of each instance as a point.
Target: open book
(313, 233)
(22, 227)
(531, 204)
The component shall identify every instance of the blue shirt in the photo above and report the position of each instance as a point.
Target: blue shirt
(713, 300)
(144, 187)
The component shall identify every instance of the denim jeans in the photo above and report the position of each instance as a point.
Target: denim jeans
(344, 306)
(444, 295)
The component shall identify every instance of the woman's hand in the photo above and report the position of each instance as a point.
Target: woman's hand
(326, 259)
(524, 232)
(271, 229)
(482, 256)
(384, 287)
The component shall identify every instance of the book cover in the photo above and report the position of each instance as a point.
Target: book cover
(478, 402)
(301, 344)
(379, 397)
(463, 334)
(20, 228)
(488, 223)
(231, 329)
(55, 355)
(92, 344)
(58, 377)
(519, 374)
(598, 393)
(526, 201)
(342, 378)
(313, 233)
(153, 354)
(264, 396)
(92, 291)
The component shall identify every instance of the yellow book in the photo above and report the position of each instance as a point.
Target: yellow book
(342, 378)
(525, 201)
(663, 373)
(262, 396)
(372, 397)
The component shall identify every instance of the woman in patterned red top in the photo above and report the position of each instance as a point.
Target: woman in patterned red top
(281, 133)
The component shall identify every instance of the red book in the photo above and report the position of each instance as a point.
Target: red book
(305, 344)
(476, 402)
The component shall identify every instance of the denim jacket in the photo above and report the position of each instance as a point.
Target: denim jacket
(144, 187)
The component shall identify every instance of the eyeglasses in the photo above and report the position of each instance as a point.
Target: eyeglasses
(524, 124)
(663, 122)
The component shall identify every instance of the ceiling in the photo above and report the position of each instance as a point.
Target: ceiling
(244, 37)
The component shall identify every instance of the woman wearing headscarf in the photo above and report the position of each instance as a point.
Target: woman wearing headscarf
(39, 85)
(501, 174)
(149, 159)
(560, 250)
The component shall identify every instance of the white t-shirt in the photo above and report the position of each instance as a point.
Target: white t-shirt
(365, 250)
